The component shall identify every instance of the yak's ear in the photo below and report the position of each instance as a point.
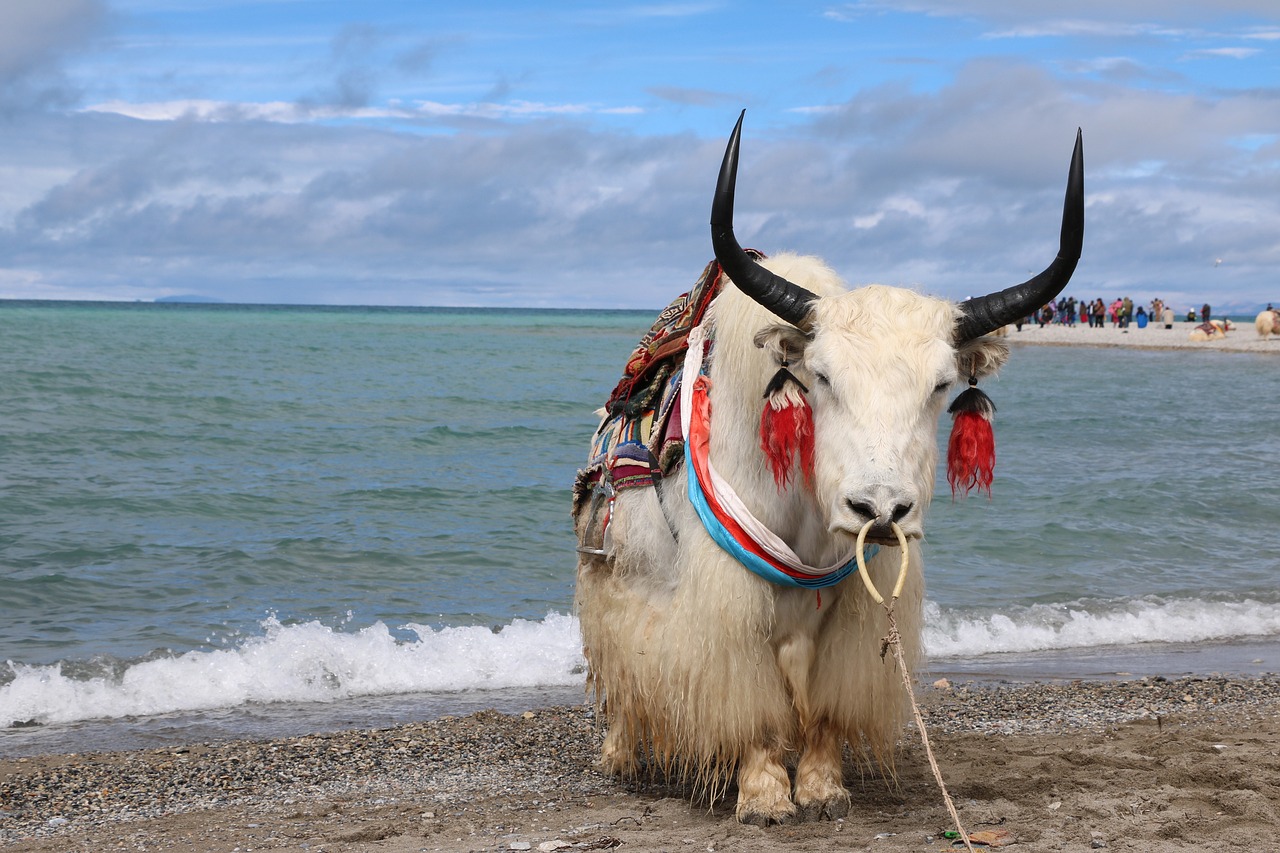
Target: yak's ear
(783, 341)
(981, 356)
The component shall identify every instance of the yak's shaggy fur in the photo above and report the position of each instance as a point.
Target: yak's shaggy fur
(1267, 323)
(702, 667)
(1209, 331)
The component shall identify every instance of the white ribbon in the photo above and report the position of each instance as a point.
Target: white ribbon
(724, 493)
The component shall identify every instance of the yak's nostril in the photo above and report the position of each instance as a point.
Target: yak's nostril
(880, 512)
(863, 509)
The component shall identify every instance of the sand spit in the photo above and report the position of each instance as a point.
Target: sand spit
(1244, 338)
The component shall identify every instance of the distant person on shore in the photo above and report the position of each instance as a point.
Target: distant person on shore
(1205, 313)
(1069, 312)
(1166, 317)
(1098, 313)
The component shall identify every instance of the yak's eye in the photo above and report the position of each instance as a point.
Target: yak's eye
(822, 379)
(941, 387)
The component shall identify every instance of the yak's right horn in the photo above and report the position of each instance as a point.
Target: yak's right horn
(983, 314)
(785, 299)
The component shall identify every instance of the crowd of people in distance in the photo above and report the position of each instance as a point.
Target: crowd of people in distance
(1120, 312)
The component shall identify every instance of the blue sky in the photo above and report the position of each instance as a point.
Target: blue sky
(564, 154)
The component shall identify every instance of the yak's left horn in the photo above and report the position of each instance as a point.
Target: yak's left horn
(983, 314)
(785, 299)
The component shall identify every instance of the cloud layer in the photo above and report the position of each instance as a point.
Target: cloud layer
(347, 190)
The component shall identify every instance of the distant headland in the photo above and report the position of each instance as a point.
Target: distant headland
(188, 297)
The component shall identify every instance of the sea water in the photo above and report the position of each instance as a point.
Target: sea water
(261, 519)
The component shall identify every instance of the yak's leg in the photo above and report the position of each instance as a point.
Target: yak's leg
(618, 753)
(820, 791)
(764, 788)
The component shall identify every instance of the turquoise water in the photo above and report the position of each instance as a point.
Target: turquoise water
(171, 473)
(208, 506)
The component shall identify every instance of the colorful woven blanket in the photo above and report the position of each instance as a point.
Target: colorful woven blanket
(639, 440)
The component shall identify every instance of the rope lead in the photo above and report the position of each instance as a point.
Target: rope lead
(893, 639)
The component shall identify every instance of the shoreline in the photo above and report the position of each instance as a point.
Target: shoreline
(1142, 764)
(1243, 657)
(1243, 338)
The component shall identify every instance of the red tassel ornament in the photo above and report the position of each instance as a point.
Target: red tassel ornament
(786, 427)
(971, 452)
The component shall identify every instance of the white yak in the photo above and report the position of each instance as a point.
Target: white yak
(1211, 330)
(1267, 323)
(702, 667)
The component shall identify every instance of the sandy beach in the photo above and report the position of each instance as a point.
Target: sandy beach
(1243, 338)
(1147, 764)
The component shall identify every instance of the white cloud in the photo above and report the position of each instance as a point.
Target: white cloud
(197, 109)
(522, 178)
(510, 109)
(1224, 53)
(1064, 28)
(291, 113)
(1001, 10)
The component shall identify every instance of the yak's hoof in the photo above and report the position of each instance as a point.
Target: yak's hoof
(835, 808)
(763, 820)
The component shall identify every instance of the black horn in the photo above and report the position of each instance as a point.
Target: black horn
(983, 314)
(786, 300)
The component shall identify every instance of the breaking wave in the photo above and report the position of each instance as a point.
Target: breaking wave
(312, 662)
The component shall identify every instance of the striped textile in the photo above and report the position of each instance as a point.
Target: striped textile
(638, 440)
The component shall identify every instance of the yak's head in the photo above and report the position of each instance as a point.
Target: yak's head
(878, 361)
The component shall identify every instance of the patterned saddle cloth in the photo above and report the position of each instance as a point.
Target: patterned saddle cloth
(639, 439)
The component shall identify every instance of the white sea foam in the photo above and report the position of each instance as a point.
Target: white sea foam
(1047, 627)
(305, 663)
(314, 663)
